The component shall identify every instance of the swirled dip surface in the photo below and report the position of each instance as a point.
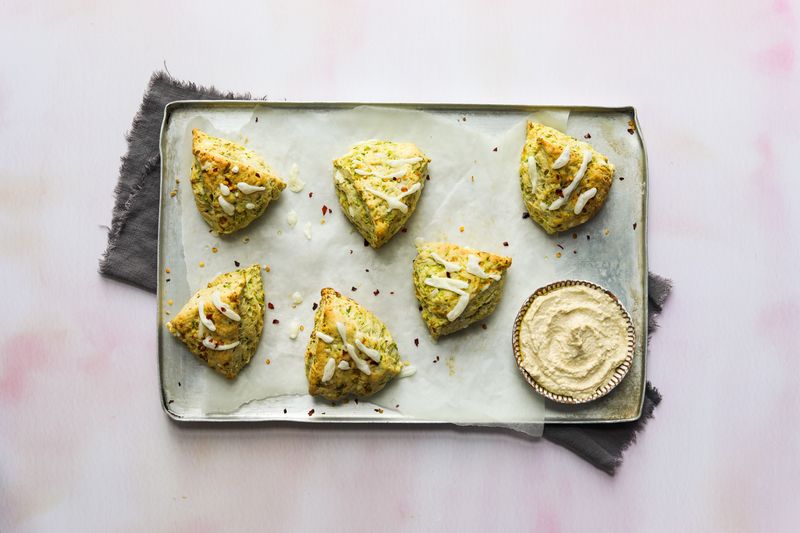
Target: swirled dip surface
(572, 339)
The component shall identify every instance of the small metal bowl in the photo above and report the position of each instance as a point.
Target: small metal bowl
(619, 373)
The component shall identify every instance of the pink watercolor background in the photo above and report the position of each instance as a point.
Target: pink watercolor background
(84, 445)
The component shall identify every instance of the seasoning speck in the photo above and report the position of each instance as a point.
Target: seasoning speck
(172, 193)
(560, 246)
(266, 268)
(311, 195)
(236, 263)
(606, 232)
(311, 412)
(214, 249)
(376, 292)
(167, 270)
(634, 226)
(270, 305)
(169, 302)
(314, 307)
(284, 411)
(505, 243)
(416, 342)
(574, 235)
(379, 410)
(246, 240)
(621, 178)
(526, 215)
(484, 326)
(461, 229)
(268, 361)
(558, 254)
(587, 136)
(494, 149)
(276, 321)
(366, 243)
(353, 289)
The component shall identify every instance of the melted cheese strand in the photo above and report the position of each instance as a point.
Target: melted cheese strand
(351, 351)
(246, 188)
(226, 205)
(474, 268)
(587, 157)
(330, 368)
(407, 371)
(209, 343)
(375, 355)
(562, 160)
(583, 198)
(216, 299)
(456, 311)
(324, 337)
(395, 201)
(449, 266)
(201, 312)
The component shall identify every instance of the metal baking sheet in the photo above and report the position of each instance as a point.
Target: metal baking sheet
(609, 250)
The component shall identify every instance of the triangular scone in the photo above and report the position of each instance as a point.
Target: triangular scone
(564, 181)
(232, 185)
(227, 335)
(378, 184)
(350, 351)
(457, 286)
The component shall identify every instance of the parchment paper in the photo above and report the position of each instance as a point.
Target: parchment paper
(466, 378)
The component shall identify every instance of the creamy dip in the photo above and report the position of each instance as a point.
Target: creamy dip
(572, 340)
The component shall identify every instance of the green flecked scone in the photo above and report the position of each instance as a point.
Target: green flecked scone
(232, 185)
(564, 181)
(378, 184)
(351, 352)
(227, 335)
(457, 286)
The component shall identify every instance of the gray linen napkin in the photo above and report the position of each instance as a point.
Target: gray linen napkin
(133, 240)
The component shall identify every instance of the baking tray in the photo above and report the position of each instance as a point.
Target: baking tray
(619, 264)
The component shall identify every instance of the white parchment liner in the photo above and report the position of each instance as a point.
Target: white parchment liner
(467, 378)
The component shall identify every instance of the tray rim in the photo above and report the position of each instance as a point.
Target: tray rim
(175, 105)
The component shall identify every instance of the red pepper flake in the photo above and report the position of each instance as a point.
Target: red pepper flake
(560, 193)
(258, 175)
(391, 292)
(311, 195)
(311, 412)
(353, 289)
(404, 189)
(494, 149)
(167, 280)
(284, 411)
(526, 215)
(351, 252)
(621, 178)
(420, 308)
(236, 263)
(179, 384)
(574, 235)
(379, 410)
(397, 406)
(366, 243)
(314, 307)
(376, 292)
(484, 326)
(436, 360)
(447, 274)
(404, 230)
(427, 178)
(634, 225)
(276, 321)
(269, 304)
(587, 136)
(324, 210)
(257, 121)
(356, 400)
(560, 246)
(505, 243)
(416, 341)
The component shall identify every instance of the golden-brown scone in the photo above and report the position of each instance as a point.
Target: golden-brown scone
(457, 286)
(561, 197)
(233, 318)
(351, 352)
(232, 185)
(378, 184)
